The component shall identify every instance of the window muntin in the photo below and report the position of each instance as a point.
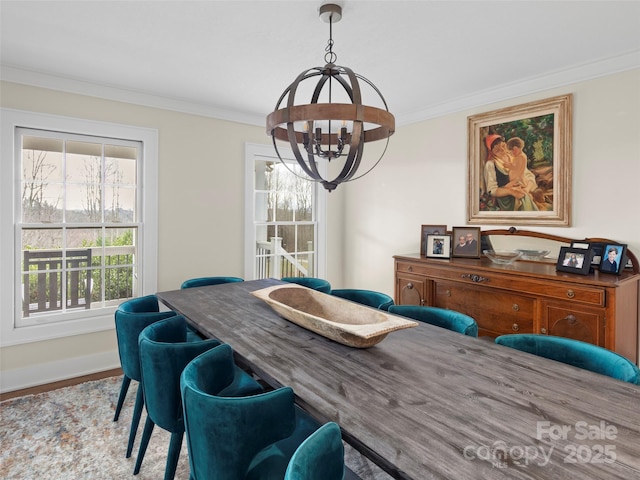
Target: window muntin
(285, 217)
(79, 210)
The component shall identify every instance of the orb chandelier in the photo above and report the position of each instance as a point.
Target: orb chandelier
(335, 124)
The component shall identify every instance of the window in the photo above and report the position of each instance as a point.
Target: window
(80, 243)
(78, 222)
(284, 219)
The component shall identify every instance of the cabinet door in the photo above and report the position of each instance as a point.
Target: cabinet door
(496, 312)
(410, 290)
(579, 323)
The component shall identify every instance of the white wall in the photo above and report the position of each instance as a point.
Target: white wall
(421, 180)
(201, 182)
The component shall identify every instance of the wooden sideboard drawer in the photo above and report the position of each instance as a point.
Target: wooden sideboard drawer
(511, 282)
(496, 312)
(568, 292)
(407, 267)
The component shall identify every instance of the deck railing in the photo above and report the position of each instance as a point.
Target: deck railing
(44, 289)
(273, 261)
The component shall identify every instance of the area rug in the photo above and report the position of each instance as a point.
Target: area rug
(70, 434)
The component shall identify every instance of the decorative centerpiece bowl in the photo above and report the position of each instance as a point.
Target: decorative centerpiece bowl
(534, 254)
(503, 257)
(338, 319)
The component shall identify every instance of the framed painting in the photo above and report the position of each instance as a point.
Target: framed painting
(429, 230)
(438, 246)
(466, 242)
(519, 165)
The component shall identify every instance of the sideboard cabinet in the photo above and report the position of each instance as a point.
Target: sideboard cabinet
(527, 297)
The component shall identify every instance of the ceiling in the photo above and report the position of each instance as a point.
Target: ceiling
(233, 59)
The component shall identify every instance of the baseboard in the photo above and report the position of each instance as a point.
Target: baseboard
(50, 372)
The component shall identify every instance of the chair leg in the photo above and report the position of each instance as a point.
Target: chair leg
(135, 421)
(123, 393)
(174, 455)
(144, 443)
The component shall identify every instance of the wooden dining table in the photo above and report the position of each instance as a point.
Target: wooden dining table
(428, 403)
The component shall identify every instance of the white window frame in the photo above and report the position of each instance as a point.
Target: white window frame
(254, 151)
(86, 321)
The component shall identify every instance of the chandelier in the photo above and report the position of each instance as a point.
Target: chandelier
(335, 124)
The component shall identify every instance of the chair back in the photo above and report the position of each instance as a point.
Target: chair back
(225, 434)
(318, 284)
(164, 353)
(319, 457)
(574, 352)
(204, 281)
(370, 298)
(131, 318)
(440, 317)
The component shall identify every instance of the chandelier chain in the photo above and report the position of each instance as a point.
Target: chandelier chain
(330, 56)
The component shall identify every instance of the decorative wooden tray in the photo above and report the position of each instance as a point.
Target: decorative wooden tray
(338, 319)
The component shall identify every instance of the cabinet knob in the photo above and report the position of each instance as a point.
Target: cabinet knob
(515, 327)
(571, 319)
(515, 307)
(410, 286)
(543, 331)
(410, 269)
(448, 293)
(571, 293)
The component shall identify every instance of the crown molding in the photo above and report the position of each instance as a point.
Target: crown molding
(34, 78)
(558, 78)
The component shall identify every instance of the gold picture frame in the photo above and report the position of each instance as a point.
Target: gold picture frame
(519, 165)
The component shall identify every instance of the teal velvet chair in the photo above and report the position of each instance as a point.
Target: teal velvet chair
(164, 352)
(319, 457)
(204, 281)
(440, 317)
(318, 284)
(248, 438)
(131, 318)
(576, 353)
(378, 300)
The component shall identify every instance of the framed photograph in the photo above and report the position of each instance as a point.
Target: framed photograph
(466, 242)
(596, 250)
(429, 230)
(438, 246)
(574, 260)
(519, 165)
(583, 245)
(613, 258)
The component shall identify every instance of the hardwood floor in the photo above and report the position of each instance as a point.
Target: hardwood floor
(60, 384)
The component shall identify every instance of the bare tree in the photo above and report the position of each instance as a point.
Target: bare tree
(35, 174)
(93, 188)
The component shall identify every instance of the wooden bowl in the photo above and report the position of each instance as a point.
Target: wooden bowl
(332, 317)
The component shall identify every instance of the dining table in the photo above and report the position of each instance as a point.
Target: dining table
(429, 403)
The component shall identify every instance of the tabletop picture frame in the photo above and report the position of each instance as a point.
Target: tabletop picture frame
(538, 170)
(596, 250)
(438, 246)
(610, 263)
(465, 242)
(429, 230)
(574, 260)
